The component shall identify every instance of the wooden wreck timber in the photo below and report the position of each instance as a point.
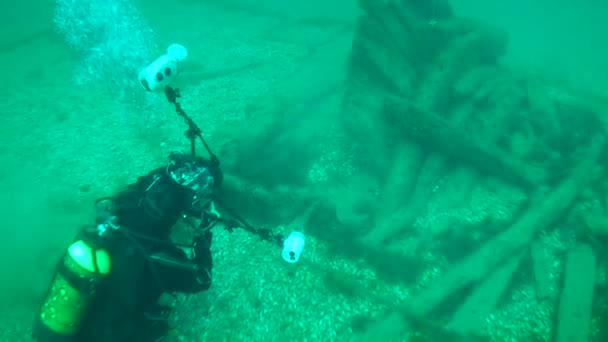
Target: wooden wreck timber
(410, 14)
(541, 262)
(371, 50)
(421, 62)
(430, 130)
(417, 60)
(399, 184)
(428, 171)
(463, 181)
(474, 268)
(574, 319)
(542, 106)
(596, 223)
(401, 53)
(389, 39)
(374, 55)
(482, 302)
(477, 47)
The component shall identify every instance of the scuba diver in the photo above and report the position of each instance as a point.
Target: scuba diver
(109, 282)
(112, 283)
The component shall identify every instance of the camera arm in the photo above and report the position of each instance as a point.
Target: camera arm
(193, 130)
(192, 133)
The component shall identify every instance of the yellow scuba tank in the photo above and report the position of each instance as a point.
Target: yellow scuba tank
(78, 275)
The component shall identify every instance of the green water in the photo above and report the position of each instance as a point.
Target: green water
(266, 82)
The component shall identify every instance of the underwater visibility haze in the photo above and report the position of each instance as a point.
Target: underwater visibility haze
(398, 170)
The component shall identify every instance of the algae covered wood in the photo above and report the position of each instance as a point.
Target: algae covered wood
(434, 132)
(373, 54)
(432, 168)
(541, 263)
(576, 300)
(380, 56)
(546, 209)
(432, 95)
(470, 316)
(398, 187)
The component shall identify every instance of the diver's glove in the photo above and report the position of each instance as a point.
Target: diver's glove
(208, 220)
(202, 244)
(209, 217)
(202, 257)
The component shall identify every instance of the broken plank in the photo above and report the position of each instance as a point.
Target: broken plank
(482, 302)
(541, 262)
(574, 320)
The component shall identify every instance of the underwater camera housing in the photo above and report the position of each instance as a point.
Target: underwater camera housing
(159, 73)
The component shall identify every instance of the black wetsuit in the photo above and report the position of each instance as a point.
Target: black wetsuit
(125, 307)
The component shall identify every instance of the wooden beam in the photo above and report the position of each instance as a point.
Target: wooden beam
(434, 132)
